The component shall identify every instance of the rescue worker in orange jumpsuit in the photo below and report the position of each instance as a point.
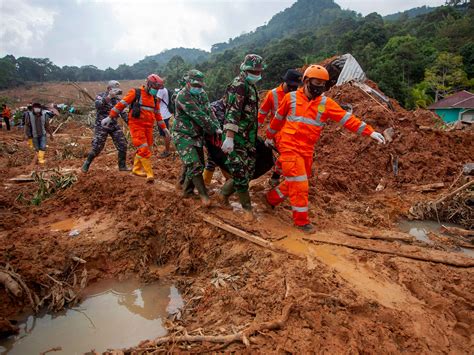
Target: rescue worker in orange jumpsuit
(300, 120)
(7, 115)
(291, 82)
(144, 111)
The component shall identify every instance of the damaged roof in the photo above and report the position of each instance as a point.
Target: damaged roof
(462, 99)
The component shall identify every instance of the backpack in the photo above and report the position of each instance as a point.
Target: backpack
(135, 106)
(171, 105)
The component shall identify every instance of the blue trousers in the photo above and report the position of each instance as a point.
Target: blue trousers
(39, 142)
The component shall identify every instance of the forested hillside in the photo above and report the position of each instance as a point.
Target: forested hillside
(413, 59)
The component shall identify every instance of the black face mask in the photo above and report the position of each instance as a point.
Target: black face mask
(316, 90)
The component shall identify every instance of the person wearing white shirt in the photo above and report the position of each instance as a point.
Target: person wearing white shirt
(166, 114)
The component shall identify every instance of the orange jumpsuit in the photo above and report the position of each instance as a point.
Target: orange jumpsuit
(270, 104)
(300, 122)
(141, 129)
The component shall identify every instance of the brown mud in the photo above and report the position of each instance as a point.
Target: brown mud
(344, 299)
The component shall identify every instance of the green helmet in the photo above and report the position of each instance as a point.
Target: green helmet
(252, 62)
(182, 82)
(195, 77)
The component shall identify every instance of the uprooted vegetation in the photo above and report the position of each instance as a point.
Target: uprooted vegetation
(358, 284)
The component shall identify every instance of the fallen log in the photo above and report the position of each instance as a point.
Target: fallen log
(10, 284)
(457, 231)
(240, 233)
(427, 187)
(366, 233)
(242, 336)
(467, 264)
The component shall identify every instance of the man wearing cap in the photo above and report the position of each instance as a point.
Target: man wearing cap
(193, 120)
(240, 131)
(104, 102)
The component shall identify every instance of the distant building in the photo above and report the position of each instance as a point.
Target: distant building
(457, 107)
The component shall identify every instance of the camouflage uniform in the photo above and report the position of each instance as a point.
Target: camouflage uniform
(241, 117)
(193, 120)
(103, 107)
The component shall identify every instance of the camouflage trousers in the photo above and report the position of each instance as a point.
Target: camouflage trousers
(241, 165)
(100, 137)
(191, 155)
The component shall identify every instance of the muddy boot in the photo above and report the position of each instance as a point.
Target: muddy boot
(307, 228)
(226, 191)
(122, 161)
(244, 198)
(188, 188)
(146, 164)
(198, 182)
(87, 163)
(207, 175)
(41, 159)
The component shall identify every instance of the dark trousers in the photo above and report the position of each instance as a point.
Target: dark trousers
(7, 122)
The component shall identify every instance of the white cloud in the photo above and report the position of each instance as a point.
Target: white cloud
(23, 26)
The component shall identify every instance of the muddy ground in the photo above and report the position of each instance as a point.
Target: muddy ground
(343, 298)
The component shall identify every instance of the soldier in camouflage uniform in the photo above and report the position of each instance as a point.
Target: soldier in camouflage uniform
(193, 120)
(104, 102)
(240, 131)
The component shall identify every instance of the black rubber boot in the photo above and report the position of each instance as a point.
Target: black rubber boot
(87, 163)
(188, 188)
(198, 182)
(226, 191)
(122, 161)
(244, 198)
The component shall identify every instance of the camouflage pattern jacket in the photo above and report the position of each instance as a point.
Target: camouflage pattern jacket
(241, 101)
(103, 106)
(194, 118)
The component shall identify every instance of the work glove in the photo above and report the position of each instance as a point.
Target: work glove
(167, 133)
(269, 142)
(218, 131)
(106, 122)
(378, 137)
(228, 145)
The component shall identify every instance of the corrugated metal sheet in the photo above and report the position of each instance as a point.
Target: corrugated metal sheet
(351, 71)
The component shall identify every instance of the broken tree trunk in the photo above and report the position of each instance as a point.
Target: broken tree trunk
(10, 284)
(240, 233)
(242, 336)
(466, 264)
(428, 187)
(366, 233)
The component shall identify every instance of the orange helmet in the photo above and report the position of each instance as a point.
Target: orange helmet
(316, 72)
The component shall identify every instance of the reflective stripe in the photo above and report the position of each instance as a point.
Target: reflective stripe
(280, 195)
(146, 108)
(296, 178)
(321, 110)
(345, 118)
(262, 112)
(275, 100)
(305, 120)
(115, 110)
(142, 145)
(123, 102)
(278, 116)
(272, 131)
(293, 102)
(299, 209)
(361, 128)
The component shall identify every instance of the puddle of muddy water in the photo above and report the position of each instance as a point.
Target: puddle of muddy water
(113, 315)
(421, 229)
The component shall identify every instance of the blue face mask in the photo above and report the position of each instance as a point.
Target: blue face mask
(195, 91)
(153, 92)
(252, 79)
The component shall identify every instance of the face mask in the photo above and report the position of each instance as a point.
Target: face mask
(36, 110)
(153, 92)
(252, 79)
(195, 91)
(316, 90)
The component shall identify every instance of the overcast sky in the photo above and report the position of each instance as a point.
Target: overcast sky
(111, 32)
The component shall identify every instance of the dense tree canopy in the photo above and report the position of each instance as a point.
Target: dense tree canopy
(416, 57)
